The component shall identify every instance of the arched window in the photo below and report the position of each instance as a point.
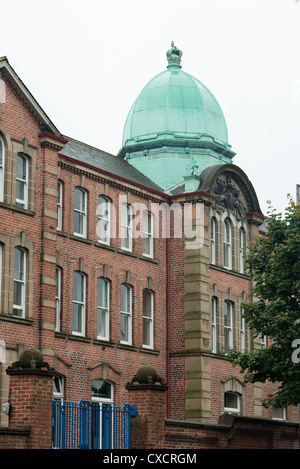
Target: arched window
(19, 282)
(232, 403)
(2, 159)
(227, 240)
(59, 205)
(243, 332)
(104, 220)
(126, 227)
(103, 309)
(22, 180)
(214, 304)
(79, 303)
(80, 212)
(147, 318)
(213, 225)
(58, 298)
(242, 239)
(126, 314)
(228, 326)
(147, 234)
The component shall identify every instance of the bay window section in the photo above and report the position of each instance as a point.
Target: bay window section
(19, 282)
(103, 309)
(126, 314)
(80, 212)
(79, 306)
(147, 319)
(22, 181)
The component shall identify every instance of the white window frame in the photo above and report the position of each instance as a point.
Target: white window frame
(104, 400)
(2, 166)
(126, 315)
(243, 331)
(126, 227)
(233, 410)
(227, 244)
(58, 394)
(82, 304)
(82, 212)
(214, 306)
(241, 249)
(148, 233)
(23, 181)
(228, 325)
(104, 220)
(58, 298)
(283, 409)
(19, 310)
(148, 320)
(213, 225)
(103, 309)
(59, 205)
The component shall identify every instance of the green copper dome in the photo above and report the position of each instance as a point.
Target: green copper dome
(174, 103)
(175, 123)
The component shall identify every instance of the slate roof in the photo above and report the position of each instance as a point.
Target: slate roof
(103, 161)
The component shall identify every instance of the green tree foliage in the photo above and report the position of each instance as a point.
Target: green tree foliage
(274, 264)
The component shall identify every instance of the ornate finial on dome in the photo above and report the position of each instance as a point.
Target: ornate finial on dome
(174, 56)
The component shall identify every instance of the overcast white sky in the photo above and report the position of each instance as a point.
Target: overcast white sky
(85, 62)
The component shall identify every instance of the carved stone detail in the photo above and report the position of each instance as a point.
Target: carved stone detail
(228, 197)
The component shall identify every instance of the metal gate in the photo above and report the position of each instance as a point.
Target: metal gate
(86, 425)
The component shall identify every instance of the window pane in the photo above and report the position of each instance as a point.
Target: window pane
(147, 304)
(231, 400)
(18, 291)
(79, 200)
(19, 265)
(102, 293)
(77, 317)
(146, 331)
(78, 290)
(20, 190)
(101, 389)
(21, 168)
(125, 298)
(227, 314)
(125, 327)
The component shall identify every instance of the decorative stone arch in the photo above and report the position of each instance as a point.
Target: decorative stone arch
(238, 190)
(234, 385)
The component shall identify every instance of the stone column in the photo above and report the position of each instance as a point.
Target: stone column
(31, 390)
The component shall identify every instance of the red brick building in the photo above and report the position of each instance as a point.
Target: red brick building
(89, 272)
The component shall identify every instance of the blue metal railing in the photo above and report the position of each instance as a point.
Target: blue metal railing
(86, 425)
